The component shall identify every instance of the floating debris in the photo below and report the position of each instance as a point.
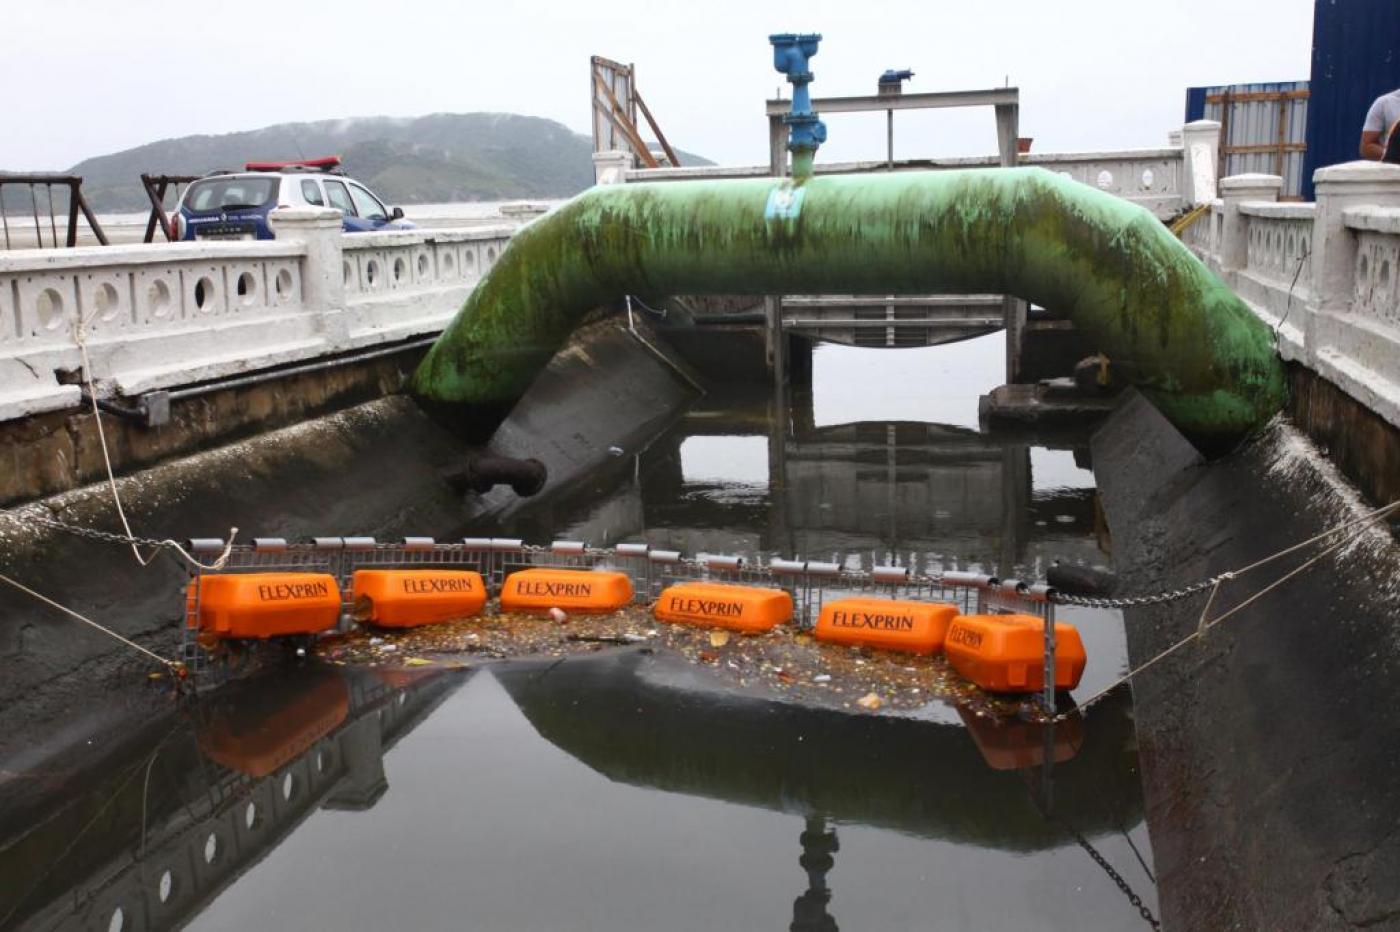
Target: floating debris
(783, 663)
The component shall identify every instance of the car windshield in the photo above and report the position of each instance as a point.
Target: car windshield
(231, 193)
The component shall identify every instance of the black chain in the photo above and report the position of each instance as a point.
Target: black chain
(1117, 878)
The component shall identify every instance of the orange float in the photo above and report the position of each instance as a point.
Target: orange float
(586, 591)
(1006, 653)
(264, 605)
(407, 598)
(749, 609)
(886, 624)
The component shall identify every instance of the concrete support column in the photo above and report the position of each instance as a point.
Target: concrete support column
(777, 146)
(1200, 153)
(1339, 187)
(1008, 128)
(323, 274)
(611, 167)
(1234, 191)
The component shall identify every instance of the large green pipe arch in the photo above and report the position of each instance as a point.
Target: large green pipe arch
(1169, 325)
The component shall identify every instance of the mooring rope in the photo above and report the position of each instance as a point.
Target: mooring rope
(1205, 623)
(143, 560)
(1173, 595)
(172, 665)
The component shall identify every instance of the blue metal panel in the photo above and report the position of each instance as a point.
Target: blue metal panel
(1195, 104)
(1355, 60)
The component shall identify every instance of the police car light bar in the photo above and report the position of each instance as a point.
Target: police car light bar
(329, 163)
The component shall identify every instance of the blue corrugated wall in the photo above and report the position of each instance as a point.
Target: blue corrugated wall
(1355, 59)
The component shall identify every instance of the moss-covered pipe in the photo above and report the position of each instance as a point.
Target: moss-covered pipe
(1169, 325)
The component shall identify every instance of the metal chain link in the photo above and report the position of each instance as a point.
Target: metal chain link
(1156, 598)
(106, 537)
(1117, 878)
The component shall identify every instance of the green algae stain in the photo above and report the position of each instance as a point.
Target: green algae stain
(1193, 347)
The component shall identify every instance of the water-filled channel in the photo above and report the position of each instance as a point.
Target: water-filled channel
(625, 791)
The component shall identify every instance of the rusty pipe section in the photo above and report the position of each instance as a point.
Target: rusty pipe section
(1170, 326)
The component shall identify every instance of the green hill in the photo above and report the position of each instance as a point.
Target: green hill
(436, 158)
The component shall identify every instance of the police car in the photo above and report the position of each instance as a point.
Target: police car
(229, 205)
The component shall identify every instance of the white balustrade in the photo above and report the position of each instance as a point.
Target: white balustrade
(399, 285)
(160, 316)
(1280, 243)
(1323, 276)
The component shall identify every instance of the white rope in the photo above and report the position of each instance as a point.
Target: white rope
(169, 664)
(1203, 625)
(79, 338)
(1214, 582)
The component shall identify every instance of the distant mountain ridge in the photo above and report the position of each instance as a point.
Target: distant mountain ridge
(437, 158)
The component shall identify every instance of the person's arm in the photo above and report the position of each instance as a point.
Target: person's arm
(1371, 146)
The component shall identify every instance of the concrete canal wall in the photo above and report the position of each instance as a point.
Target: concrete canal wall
(1268, 748)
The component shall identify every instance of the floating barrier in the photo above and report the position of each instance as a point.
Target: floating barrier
(886, 624)
(750, 609)
(265, 605)
(573, 577)
(588, 591)
(1006, 653)
(407, 598)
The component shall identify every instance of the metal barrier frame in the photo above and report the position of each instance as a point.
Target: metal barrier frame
(809, 582)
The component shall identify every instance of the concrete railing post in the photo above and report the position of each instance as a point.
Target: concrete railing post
(611, 167)
(323, 275)
(1200, 153)
(1234, 233)
(1339, 187)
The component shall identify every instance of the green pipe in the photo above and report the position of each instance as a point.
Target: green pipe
(1168, 325)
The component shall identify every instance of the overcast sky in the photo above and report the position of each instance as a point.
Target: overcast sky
(87, 78)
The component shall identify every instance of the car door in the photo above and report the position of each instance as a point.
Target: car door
(338, 196)
(367, 206)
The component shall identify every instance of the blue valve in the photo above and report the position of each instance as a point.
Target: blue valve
(792, 54)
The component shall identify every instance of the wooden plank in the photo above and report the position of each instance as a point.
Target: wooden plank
(624, 125)
(1265, 147)
(660, 136)
(1247, 96)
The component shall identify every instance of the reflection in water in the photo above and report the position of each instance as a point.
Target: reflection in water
(736, 475)
(148, 836)
(497, 816)
(809, 910)
(647, 722)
